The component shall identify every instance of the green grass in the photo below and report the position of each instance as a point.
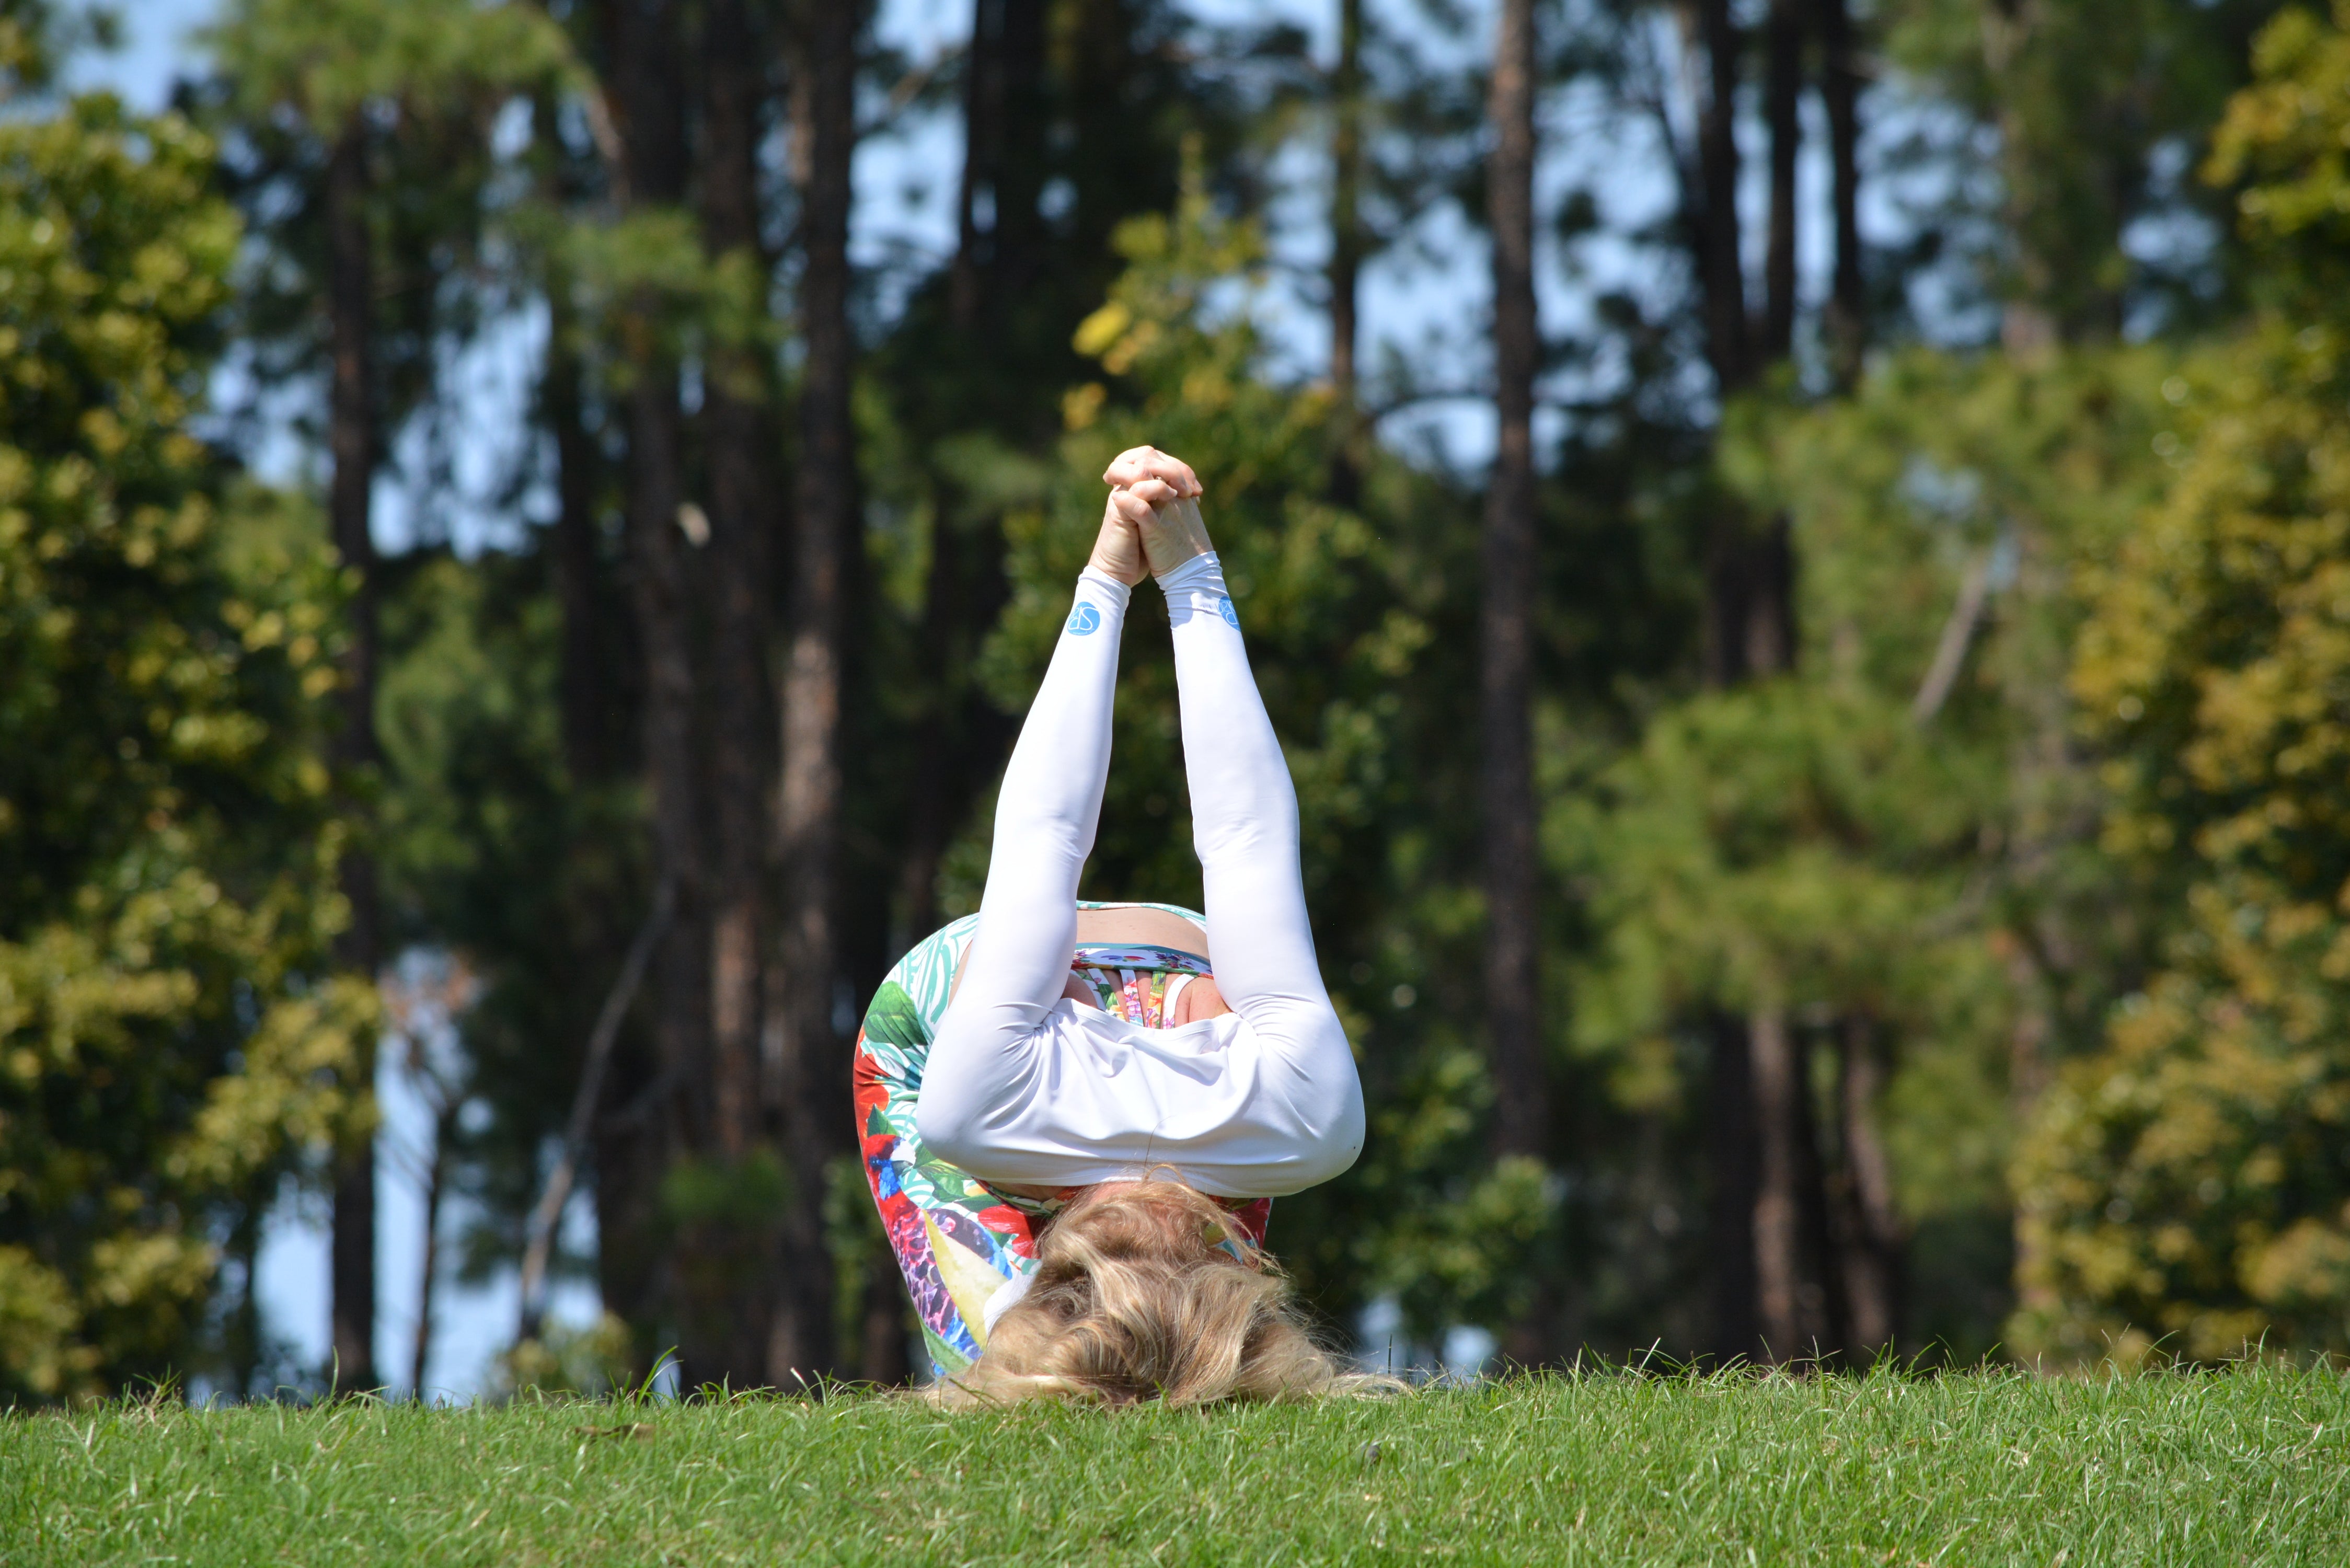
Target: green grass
(2250, 1466)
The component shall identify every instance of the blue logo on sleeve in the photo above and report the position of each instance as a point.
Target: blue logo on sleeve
(1085, 620)
(1232, 617)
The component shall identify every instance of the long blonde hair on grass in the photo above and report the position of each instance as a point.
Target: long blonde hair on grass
(1136, 1298)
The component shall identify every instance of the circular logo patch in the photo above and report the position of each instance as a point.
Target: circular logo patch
(1084, 619)
(1232, 617)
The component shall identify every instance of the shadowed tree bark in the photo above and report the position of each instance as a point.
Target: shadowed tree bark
(1848, 311)
(1512, 976)
(351, 442)
(1783, 89)
(741, 528)
(643, 48)
(1346, 245)
(813, 1064)
(738, 440)
(1873, 1244)
(1731, 1159)
(1759, 1137)
(1000, 226)
(998, 260)
(1794, 1276)
(1712, 223)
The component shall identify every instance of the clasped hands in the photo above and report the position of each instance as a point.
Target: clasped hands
(1152, 523)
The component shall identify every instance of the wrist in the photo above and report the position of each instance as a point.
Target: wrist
(1175, 535)
(1118, 555)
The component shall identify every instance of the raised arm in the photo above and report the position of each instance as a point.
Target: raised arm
(1244, 827)
(1046, 816)
(1260, 1102)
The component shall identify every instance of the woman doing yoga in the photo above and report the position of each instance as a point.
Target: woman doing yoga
(1073, 1123)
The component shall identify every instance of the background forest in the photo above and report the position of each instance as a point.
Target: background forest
(1819, 689)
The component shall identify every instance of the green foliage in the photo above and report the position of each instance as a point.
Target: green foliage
(169, 1037)
(1987, 1466)
(2189, 1187)
(2284, 135)
(1888, 832)
(491, 848)
(2080, 97)
(596, 1361)
(329, 60)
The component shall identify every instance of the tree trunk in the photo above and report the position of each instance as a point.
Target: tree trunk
(351, 443)
(242, 1331)
(884, 1361)
(1347, 243)
(1789, 1297)
(1512, 913)
(1715, 244)
(1872, 1255)
(1713, 235)
(1847, 309)
(644, 48)
(996, 252)
(743, 524)
(814, 1063)
(1512, 978)
(445, 1127)
(1782, 94)
(961, 599)
(1731, 1162)
(976, 204)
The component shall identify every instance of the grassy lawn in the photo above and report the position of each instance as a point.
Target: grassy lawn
(2252, 1466)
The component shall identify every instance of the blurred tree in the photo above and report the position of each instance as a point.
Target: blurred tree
(1943, 511)
(2090, 222)
(329, 94)
(813, 1052)
(2187, 1186)
(173, 1037)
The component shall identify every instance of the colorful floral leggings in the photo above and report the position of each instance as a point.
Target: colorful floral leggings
(959, 1240)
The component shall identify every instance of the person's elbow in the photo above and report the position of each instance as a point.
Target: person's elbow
(951, 1127)
(1336, 1138)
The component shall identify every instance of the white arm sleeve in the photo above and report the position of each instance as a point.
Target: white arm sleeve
(1021, 1087)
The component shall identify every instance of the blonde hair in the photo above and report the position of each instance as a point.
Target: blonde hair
(1136, 1297)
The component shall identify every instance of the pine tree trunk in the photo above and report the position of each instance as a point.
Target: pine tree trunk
(884, 1362)
(1733, 1166)
(815, 1077)
(1715, 241)
(1512, 930)
(1873, 1261)
(1789, 1298)
(977, 206)
(352, 440)
(444, 1131)
(996, 259)
(737, 437)
(1712, 218)
(1346, 245)
(1782, 93)
(1847, 310)
(1512, 980)
(644, 45)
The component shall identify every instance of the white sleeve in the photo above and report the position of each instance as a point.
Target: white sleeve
(1244, 827)
(1021, 1087)
(1045, 813)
